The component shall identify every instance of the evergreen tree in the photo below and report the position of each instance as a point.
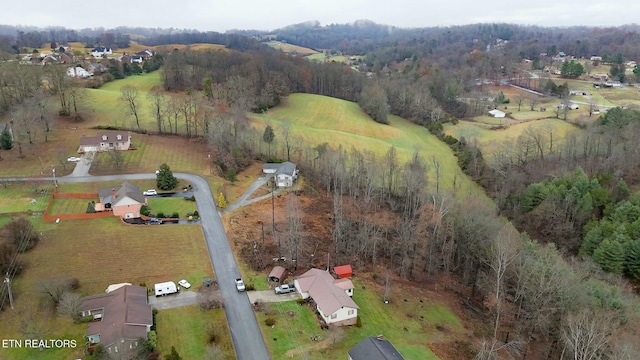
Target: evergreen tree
(268, 137)
(632, 261)
(611, 257)
(165, 179)
(174, 355)
(6, 142)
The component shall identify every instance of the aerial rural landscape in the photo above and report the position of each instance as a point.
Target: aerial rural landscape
(345, 191)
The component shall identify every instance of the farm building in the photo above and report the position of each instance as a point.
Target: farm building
(120, 318)
(277, 274)
(343, 271)
(332, 297)
(105, 141)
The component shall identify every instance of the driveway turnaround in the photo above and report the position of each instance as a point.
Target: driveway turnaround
(245, 332)
(268, 296)
(183, 298)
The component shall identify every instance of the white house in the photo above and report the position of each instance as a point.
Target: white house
(78, 72)
(105, 141)
(284, 173)
(497, 113)
(332, 296)
(100, 51)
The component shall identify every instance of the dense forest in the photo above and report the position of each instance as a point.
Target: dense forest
(569, 200)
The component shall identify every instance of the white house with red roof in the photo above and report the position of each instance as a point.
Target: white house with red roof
(332, 296)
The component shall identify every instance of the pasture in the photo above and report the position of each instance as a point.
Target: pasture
(18, 196)
(489, 141)
(290, 48)
(318, 119)
(422, 322)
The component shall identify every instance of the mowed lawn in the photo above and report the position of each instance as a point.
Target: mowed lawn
(170, 205)
(70, 206)
(186, 328)
(318, 119)
(422, 322)
(106, 251)
(20, 196)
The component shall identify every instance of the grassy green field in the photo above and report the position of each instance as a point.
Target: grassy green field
(422, 322)
(490, 141)
(69, 206)
(318, 119)
(186, 328)
(18, 197)
(290, 48)
(170, 205)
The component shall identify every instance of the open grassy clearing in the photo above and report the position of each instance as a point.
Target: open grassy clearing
(422, 322)
(186, 329)
(290, 48)
(491, 140)
(69, 206)
(318, 119)
(170, 205)
(18, 197)
(121, 252)
(321, 56)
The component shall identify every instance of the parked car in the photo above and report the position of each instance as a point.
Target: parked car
(150, 192)
(74, 159)
(184, 283)
(284, 289)
(240, 285)
(155, 221)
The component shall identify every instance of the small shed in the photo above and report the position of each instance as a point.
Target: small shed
(343, 271)
(277, 274)
(497, 113)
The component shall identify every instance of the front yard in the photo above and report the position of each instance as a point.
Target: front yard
(412, 323)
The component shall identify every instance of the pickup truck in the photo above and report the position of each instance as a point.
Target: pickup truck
(240, 285)
(284, 289)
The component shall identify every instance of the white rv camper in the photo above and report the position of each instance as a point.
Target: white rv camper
(165, 288)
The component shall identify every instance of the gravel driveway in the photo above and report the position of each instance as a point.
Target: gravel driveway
(183, 298)
(268, 296)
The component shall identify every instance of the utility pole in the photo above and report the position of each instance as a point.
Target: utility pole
(7, 281)
(273, 214)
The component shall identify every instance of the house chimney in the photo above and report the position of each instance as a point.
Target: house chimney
(113, 194)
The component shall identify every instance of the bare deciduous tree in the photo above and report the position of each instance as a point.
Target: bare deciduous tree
(129, 97)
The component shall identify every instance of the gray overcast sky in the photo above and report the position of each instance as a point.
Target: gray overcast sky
(264, 15)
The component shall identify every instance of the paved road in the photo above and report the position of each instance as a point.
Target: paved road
(246, 335)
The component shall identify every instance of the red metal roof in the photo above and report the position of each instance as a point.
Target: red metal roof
(343, 271)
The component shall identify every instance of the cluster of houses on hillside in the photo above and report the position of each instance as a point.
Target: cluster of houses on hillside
(91, 64)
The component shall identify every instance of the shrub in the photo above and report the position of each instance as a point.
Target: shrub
(250, 287)
(196, 214)
(232, 175)
(144, 210)
(358, 322)
(301, 301)
(160, 214)
(175, 215)
(153, 338)
(212, 335)
(90, 208)
(270, 321)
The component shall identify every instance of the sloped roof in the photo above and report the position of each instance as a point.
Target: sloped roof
(372, 348)
(277, 272)
(343, 270)
(111, 136)
(320, 285)
(125, 314)
(344, 284)
(125, 190)
(285, 168)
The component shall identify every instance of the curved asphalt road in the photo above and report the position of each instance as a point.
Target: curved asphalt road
(246, 335)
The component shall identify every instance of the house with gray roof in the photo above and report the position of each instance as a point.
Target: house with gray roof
(284, 173)
(125, 201)
(120, 319)
(374, 348)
